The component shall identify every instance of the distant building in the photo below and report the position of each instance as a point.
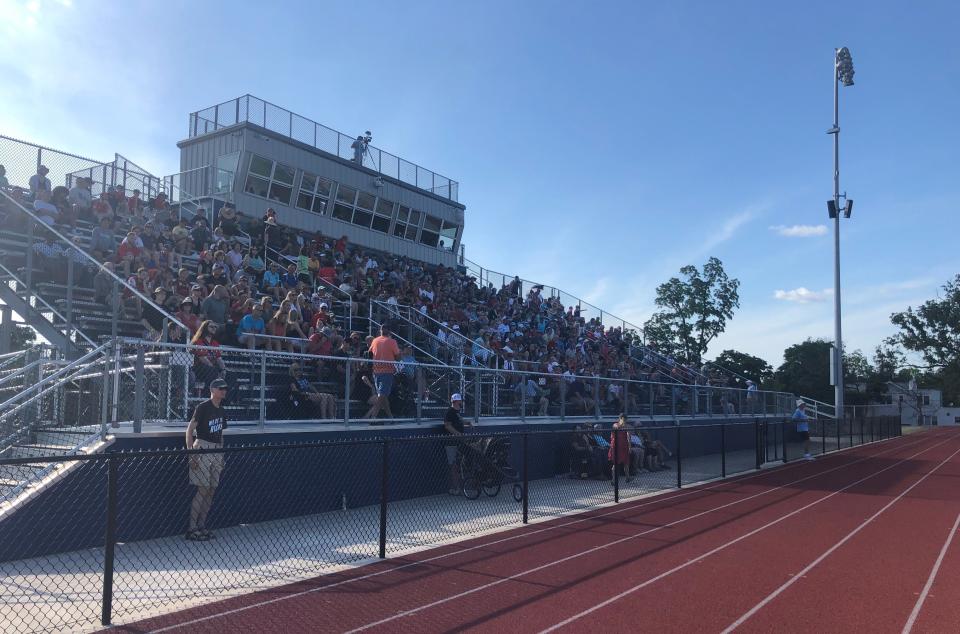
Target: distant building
(916, 405)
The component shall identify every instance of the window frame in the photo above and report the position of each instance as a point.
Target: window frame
(271, 181)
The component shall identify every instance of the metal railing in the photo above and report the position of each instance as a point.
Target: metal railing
(114, 552)
(262, 113)
(260, 390)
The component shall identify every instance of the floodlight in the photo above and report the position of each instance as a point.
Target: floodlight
(845, 66)
(848, 209)
(831, 209)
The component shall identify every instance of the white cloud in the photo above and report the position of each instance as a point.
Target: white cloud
(800, 231)
(803, 295)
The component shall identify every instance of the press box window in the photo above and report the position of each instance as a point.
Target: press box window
(268, 179)
(408, 223)
(314, 193)
(343, 207)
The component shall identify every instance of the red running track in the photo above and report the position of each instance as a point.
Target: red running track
(858, 540)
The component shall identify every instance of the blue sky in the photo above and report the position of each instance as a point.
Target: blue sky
(598, 146)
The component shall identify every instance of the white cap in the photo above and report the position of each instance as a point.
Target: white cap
(323, 305)
(800, 403)
(456, 397)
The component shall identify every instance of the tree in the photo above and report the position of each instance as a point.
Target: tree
(806, 370)
(694, 312)
(22, 337)
(933, 329)
(747, 366)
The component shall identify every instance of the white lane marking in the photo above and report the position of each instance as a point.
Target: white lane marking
(620, 509)
(594, 549)
(773, 595)
(933, 575)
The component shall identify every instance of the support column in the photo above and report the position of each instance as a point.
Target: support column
(6, 328)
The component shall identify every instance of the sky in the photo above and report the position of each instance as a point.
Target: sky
(599, 146)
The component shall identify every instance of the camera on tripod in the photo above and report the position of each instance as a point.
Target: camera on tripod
(367, 137)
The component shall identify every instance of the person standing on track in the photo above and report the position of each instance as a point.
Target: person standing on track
(803, 428)
(619, 452)
(454, 425)
(205, 431)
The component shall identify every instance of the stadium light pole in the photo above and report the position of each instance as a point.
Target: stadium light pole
(842, 73)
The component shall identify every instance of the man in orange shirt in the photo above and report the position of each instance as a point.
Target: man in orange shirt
(383, 348)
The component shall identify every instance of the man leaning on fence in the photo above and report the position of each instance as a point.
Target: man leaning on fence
(454, 425)
(205, 431)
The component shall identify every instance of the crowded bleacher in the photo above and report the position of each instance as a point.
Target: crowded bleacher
(253, 283)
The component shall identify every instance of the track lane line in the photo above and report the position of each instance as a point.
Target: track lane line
(908, 627)
(736, 540)
(594, 549)
(892, 444)
(773, 595)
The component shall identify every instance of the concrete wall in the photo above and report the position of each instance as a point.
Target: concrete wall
(315, 476)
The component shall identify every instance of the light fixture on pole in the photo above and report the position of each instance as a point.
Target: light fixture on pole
(842, 74)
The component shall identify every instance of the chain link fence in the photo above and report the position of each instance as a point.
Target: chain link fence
(101, 540)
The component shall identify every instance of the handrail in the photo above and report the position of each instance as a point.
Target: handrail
(448, 330)
(93, 260)
(47, 304)
(446, 367)
(20, 371)
(409, 343)
(52, 377)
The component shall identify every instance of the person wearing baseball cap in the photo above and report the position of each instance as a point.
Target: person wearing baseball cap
(803, 427)
(454, 425)
(205, 431)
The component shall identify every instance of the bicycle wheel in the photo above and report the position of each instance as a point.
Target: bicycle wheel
(491, 488)
(517, 492)
(471, 488)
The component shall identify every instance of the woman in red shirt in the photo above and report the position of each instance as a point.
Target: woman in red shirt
(207, 364)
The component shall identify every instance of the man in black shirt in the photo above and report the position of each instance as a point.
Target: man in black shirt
(205, 431)
(454, 426)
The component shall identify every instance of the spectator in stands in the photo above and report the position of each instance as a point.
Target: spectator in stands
(161, 209)
(271, 281)
(307, 399)
(39, 181)
(45, 210)
(205, 431)
(655, 452)
(214, 308)
(277, 326)
(48, 253)
(200, 234)
(585, 461)
(80, 262)
(535, 394)
(135, 204)
(295, 329)
(227, 221)
(80, 198)
(127, 253)
(207, 363)
(153, 320)
(272, 234)
(103, 283)
(290, 280)
(234, 257)
(102, 240)
(383, 348)
(252, 328)
(186, 316)
(102, 210)
(752, 392)
(253, 265)
(180, 235)
(4, 183)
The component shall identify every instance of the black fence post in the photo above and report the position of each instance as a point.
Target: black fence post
(861, 431)
(723, 450)
(839, 424)
(823, 436)
(526, 483)
(679, 459)
(852, 418)
(783, 440)
(756, 439)
(109, 542)
(616, 472)
(384, 494)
